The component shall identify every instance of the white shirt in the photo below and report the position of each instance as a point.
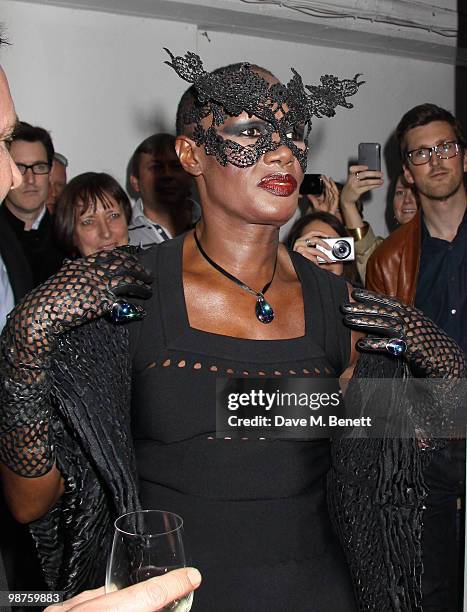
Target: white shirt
(38, 220)
(7, 299)
(143, 232)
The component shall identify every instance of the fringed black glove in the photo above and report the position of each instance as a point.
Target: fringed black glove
(405, 331)
(437, 395)
(83, 290)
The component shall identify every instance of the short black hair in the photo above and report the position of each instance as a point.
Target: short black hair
(423, 114)
(189, 100)
(154, 145)
(30, 133)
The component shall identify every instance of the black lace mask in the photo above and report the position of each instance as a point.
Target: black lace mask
(285, 110)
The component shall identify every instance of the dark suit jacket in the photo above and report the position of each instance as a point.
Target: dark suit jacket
(18, 269)
(19, 559)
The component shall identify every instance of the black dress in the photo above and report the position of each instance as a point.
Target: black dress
(255, 514)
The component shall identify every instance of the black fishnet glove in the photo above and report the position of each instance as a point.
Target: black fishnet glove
(430, 352)
(437, 396)
(83, 290)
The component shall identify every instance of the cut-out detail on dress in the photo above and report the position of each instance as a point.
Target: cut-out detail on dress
(166, 363)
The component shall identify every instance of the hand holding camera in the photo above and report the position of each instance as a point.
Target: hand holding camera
(318, 248)
(339, 249)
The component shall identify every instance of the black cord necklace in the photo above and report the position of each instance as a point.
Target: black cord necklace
(263, 309)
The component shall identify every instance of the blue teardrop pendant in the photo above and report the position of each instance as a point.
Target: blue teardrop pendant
(124, 312)
(263, 310)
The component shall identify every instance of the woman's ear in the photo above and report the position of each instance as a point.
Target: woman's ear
(189, 155)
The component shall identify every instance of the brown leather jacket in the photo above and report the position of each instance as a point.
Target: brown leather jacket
(393, 267)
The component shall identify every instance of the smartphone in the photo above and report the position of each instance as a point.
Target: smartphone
(312, 184)
(369, 154)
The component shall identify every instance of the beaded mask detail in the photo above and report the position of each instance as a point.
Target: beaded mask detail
(287, 110)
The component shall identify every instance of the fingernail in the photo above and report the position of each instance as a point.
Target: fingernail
(194, 576)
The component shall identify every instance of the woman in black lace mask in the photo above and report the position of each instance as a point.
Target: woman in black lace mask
(227, 301)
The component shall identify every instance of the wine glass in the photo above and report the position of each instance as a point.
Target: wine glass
(146, 543)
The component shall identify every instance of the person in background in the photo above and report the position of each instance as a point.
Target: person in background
(328, 200)
(360, 180)
(24, 208)
(404, 202)
(309, 231)
(423, 263)
(164, 208)
(92, 215)
(57, 181)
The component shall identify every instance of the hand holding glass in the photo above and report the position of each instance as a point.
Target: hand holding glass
(146, 543)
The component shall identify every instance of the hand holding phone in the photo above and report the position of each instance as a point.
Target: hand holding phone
(369, 154)
(312, 184)
(360, 180)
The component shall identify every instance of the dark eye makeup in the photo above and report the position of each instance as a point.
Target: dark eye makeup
(250, 128)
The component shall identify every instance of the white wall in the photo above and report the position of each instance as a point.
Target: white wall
(98, 82)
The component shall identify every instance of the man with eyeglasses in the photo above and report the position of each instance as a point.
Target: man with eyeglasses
(423, 263)
(24, 208)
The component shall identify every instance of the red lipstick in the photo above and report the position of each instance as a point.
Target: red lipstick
(282, 185)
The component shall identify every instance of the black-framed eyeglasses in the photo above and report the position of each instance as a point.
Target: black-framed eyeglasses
(445, 150)
(38, 168)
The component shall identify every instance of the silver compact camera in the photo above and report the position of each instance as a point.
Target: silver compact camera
(341, 249)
